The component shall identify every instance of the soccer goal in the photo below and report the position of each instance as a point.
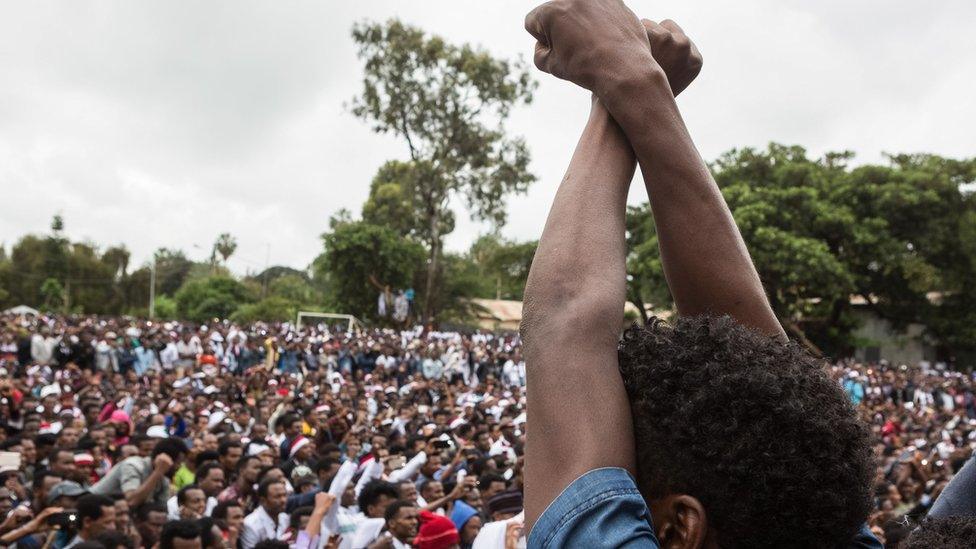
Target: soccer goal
(352, 321)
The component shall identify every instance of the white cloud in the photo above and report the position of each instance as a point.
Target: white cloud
(168, 123)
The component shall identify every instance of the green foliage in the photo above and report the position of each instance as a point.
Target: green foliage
(449, 104)
(53, 294)
(292, 288)
(271, 308)
(172, 270)
(503, 265)
(166, 308)
(820, 232)
(225, 246)
(204, 299)
(357, 254)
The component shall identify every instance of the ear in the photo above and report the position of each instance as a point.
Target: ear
(680, 522)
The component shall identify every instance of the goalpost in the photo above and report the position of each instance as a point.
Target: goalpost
(352, 321)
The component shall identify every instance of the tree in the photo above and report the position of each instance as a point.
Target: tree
(269, 309)
(503, 265)
(53, 294)
(821, 232)
(215, 297)
(225, 245)
(449, 104)
(357, 253)
(172, 269)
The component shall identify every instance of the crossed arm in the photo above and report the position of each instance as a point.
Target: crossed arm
(579, 418)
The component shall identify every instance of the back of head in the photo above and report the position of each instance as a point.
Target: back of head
(183, 529)
(945, 533)
(90, 506)
(112, 539)
(373, 491)
(172, 447)
(753, 428)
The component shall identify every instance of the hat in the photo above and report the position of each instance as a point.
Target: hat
(157, 431)
(457, 423)
(257, 448)
(67, 488)
(462, 513)
(50, 390)
(505, 502)
(436, 532)
(297, 444)
(84, 458)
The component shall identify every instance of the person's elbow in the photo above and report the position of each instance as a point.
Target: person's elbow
(595, 316)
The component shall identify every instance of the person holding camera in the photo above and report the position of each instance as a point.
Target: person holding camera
(95, 515)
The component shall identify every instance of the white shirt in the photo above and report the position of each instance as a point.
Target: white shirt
(259, 526)
(367, 532)
(173, 508)
(492, 534)
(169, 355)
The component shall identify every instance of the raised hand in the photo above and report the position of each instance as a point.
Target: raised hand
(674, 52)
(589, 42)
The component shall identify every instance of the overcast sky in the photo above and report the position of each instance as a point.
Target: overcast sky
(166, 123)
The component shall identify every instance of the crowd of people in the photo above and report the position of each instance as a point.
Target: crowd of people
(124, 432)
(130, 433)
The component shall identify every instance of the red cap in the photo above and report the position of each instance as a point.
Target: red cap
(436, 532)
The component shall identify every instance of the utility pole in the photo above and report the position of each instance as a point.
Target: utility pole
(152, 288)
(267, 264)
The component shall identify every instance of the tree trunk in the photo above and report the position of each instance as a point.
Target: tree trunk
(801, 336)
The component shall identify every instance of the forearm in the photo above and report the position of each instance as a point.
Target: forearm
(706, 263)
(579, 265)
(139, 496)
(579, 415)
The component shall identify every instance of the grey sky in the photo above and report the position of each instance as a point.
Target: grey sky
(166, 123)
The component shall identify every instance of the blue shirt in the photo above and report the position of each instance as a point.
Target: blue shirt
(603, 508)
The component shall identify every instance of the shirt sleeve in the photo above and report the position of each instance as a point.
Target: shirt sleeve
(959, 497)
(129, 477)
(602, 508)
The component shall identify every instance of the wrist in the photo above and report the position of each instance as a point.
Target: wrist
(630, 87)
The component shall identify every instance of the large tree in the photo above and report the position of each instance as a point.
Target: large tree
(215, 297)
(449, 104)
(503, 265)
(359, 256)
(821, 231)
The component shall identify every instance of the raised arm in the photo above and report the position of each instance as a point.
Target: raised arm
(605, 48)
(705, 260)
(578, 416)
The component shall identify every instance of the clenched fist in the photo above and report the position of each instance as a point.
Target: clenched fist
(589, 42)
(674, 52)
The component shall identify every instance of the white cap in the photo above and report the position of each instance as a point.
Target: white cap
(157, 431)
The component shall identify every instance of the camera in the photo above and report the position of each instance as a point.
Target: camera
(65, 520)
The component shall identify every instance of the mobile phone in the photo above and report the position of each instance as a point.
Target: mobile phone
(396, 462)
(64, 520)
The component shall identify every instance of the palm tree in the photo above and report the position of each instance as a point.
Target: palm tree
(225, 246)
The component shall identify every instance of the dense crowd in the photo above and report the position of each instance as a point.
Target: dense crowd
(132, 433)
(129, 433)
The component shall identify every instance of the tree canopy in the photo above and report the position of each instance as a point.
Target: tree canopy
(449, 104)
(899, 236)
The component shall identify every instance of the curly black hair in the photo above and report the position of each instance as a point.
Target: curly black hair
(944, 533)
(753, 428)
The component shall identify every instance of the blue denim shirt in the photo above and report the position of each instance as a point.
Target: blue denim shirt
(604, 509)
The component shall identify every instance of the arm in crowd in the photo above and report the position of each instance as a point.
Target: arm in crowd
(138, 496)
(409, 470)
(373, 471)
